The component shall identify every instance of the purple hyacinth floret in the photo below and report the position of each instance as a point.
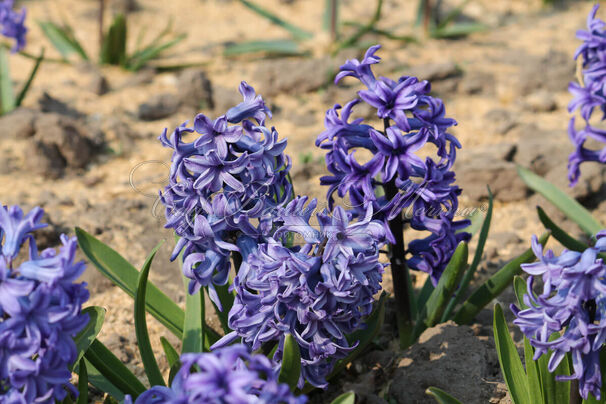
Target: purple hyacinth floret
(226, 182)
(40, 312)
(588, 95)
(12, 24)
(318, 290)
(423, 190)
(229, 375)
(572, 303)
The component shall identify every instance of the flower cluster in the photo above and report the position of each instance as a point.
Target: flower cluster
(588, 95)
(224, 183)
(394, 180)
(317, 291)
(12, 24)
(572, 303)
(39, 312)
(228, 375)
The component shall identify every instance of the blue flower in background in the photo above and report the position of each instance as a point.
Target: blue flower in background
(40, 312)
(588, 95)
(573, 304)
(12, 24)
(230, 375)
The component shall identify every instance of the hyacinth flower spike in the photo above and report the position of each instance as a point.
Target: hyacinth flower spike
(573, 304)
(395, 179)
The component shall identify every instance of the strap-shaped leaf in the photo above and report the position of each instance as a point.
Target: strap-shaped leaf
(99, 381)
(424, 295)
(296, 32)
(290, 370)
(570, 207)
(145, 349)
(63, 39)
(278, 47)
(113, 49)
(30, 79)
(477, 257)
(82, 383)
(345, 398)
(494, 285)
(172, 356)
(441, 396)
(113, 266)
(113, 370)
(446, 285)
(87, 335)
(193, 329)
(535, 388)
(520, 289)
(511, 365)
(152, 51)
(7, 97)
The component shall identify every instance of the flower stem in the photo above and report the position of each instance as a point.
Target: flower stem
(575, 397)
(399, 269)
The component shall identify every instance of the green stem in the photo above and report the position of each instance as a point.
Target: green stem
(362, 31)
(399, 269)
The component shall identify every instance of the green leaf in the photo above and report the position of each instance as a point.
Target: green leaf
(535, 388)
(291, 363)
(113, 370)
(278, 47)
(457, 30)
(193, 330)
(474, 264)
(494, 285)
(424, 294)
(554, 391)
(88, 334)
(511, 365)
(171, 353)
(363, 30)
(571, 208)
(123, 274)
(520, 289)
(563, 238)
(100, 382)
(152, 51)
(145, 349)
(441, 396)
(296, 32)
(455, 13)
(82, 383)
(345, 398)
(30, 79)
(7, 98)
(446, 285)
(63, 39)
(113, 49)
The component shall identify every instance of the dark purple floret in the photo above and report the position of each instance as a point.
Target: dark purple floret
(40, 312)
(230, 375)
(422, 190)
(226, 182)
(573, 304)
(588, 95)
(12, 24)
(318, 291)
